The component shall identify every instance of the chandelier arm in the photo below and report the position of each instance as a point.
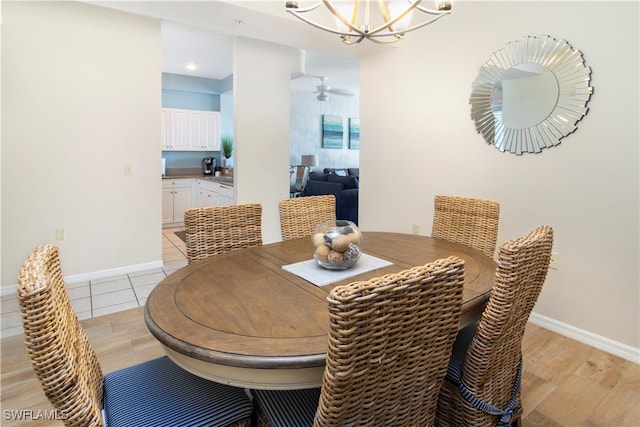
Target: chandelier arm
(379, 40)
(328, 29)
(304, 9)
(388, 25)
(372, 35)
(347, 39)
(434, 12)
(384, 9)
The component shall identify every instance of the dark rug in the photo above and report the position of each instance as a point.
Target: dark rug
(182, 235)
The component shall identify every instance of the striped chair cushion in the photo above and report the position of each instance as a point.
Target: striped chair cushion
(160, 393)
(288, 408)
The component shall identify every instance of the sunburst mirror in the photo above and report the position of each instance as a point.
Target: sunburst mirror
(530, 94)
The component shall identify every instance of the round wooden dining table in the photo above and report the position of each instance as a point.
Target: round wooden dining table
(240, 318)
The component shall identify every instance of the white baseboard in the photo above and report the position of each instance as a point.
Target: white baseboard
(95, 275)
(605, 344)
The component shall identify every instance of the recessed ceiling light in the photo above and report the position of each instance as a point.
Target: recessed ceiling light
(191, 66)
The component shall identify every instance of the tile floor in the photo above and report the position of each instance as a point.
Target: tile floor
(108, 295)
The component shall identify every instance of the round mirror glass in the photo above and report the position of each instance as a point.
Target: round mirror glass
(524, 96)
(530, 94)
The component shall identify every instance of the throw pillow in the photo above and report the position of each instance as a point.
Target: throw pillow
(334, 171)
(317, 176)
(347, 181)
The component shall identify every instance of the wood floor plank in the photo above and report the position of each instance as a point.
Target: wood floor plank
(560, 361)
(620, 407)
(537, 391)
(574, 402)
(605, 369)
(536, 419)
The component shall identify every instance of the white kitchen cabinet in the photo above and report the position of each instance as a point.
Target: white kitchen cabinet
(180, 129)
(181, 202)
(175, 125)
(176, 198)
(211, 193)
(180, 194)
(204, 130)
(211, 131)
(205, 198)
(225, 194)
(165, 132)
(205, 193)
(190, 130)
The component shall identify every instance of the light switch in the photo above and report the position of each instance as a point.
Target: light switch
(61, 233)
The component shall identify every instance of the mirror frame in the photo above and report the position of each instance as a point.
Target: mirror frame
(574, 91)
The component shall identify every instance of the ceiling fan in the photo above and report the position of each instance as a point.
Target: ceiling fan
(323, 90)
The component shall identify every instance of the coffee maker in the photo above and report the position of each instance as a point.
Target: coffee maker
(209, 165)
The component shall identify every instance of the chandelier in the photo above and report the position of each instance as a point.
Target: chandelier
(354, 21)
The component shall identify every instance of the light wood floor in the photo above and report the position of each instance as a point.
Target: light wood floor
(565, 383)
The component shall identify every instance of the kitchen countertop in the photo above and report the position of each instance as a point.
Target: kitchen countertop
(225, 180)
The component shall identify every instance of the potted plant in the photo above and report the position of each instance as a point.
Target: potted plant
(227, 148)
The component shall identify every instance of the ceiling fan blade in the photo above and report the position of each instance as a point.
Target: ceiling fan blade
(340, 92)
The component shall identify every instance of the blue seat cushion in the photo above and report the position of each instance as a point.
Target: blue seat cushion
(288, 408)
(459, 351)
(160, 393)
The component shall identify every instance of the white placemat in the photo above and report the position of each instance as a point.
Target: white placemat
(313, 273)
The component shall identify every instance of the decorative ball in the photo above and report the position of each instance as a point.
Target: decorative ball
(352, 252)
(335, 257)
(322, 253)
(354, 238)
(340, 243)
(336, 244)
(318, 239)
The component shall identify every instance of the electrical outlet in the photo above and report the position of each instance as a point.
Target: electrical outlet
(61, 233)
(416, 229)
(128, 169)
(555, 261)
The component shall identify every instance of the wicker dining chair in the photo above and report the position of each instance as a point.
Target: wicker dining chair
(483, 378)
(217, 229)
(472, 222)
(154, 393)
(299, 216)
(389, 344)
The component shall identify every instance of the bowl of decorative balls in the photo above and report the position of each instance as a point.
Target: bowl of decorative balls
(336, 244)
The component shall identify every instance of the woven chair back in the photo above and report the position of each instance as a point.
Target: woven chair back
(299, 216)
(493, 357)
(62, 357)
(218, 229)
(389, 345)
(471, 222)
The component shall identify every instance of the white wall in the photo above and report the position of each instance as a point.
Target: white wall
(81, 97)
(261, 113)
(226, 113)
(416, 98)
(0, 147)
